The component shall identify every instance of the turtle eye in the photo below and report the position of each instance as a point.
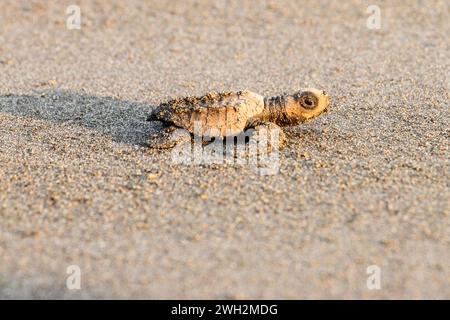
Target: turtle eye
(308, 100)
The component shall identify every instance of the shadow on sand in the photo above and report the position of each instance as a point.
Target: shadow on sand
(124, 121)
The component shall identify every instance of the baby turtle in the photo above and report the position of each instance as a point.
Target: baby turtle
(232, 113)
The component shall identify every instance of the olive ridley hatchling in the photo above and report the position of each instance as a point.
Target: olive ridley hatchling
(226, 114)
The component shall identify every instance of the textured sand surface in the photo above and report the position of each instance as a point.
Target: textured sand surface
(366, 184)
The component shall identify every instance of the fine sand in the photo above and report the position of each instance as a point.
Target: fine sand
(366, 184)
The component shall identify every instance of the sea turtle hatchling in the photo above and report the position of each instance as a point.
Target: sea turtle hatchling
(232, 113)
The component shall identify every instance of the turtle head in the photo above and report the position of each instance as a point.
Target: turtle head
(305, 105)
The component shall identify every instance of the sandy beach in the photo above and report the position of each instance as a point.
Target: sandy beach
(366, 184)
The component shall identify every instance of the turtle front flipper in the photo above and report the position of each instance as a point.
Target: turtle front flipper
(168, 137)
(262, 138)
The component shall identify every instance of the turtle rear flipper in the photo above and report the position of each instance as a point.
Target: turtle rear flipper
(168, 138)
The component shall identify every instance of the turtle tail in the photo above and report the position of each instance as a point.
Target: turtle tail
(155, 115)
(152, 117)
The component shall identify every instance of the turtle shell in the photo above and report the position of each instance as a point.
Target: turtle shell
(214, 114)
